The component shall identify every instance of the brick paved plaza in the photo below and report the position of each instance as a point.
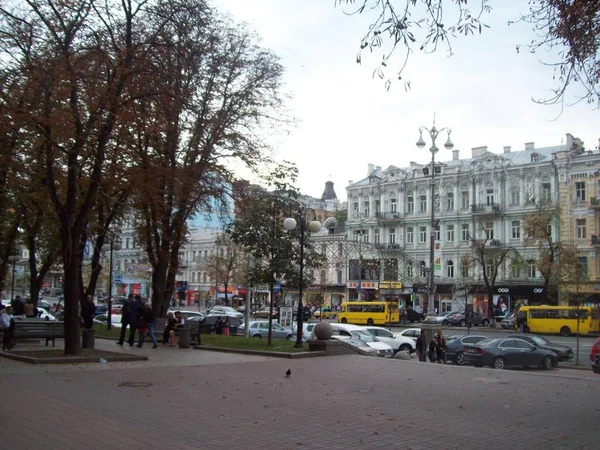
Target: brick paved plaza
(190, 399)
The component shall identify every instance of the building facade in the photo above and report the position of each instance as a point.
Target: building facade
(479, 200)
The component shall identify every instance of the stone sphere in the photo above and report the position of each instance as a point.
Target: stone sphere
(402, 355)
(323, 331)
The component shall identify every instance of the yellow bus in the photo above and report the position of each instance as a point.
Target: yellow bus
(558, 319)
(370, 313)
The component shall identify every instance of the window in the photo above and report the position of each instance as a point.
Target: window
(410, 235)
(193, 277)
(546, 192)
(366, 209)
(355, 209)
(583, 266)
(464, 200)
(376, 236)
(204, 277)
(464, 232)
(422, 235)
(338, 276)
(323, 276)
(340, 249)
(423, 203)
(580, 191)
(450, 233)
(580, 224)
(392, 235)
(515, 229)
(365, 236)
(393, 205)
(489, 269)
(489, 197)
(437, 202)
(356, 234)
(127, 243)
(437, 234)
(450, 269)
(450, 201)
(489, 230)
(410, 270)
(410, 204)
(515, 197)
(515, 271)
(377, 207)
(531, 269)
(464, 268)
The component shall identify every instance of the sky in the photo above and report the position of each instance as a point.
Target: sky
(346, 119)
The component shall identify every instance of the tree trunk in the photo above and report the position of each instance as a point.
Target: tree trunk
(159, 277)
(72, 294)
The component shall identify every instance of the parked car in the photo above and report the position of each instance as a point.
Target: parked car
(412, 333)
(102, 319)
(225, 311)
(207, 323)
(360, 344)
(395, 340)
(100, 309)
(455, 347)
(44, 304)
(259, 329)
(442, 319)
(414, 316)
(509, 321)
(44, 314)
(595, 356)
(263, 313)
(563, 352)
(502, 353)
(324, 313)
(356, 331)
(189, 314)
(460, 319)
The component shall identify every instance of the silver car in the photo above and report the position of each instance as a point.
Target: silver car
(260, 330)
(509, 322)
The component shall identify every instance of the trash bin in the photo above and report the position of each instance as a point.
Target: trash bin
(88, 338)
(185, 335)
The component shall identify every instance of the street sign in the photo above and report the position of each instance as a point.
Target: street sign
(277, 288)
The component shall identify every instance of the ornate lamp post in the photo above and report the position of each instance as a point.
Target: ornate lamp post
(429, 324)
(433, 134)
(14, 259)
(110, 247)
(313, 226)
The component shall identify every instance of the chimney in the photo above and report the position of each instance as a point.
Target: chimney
(479, 151)
(455, 155)
(370, 168)
(569, 141)
(507, 149)
(529, 145)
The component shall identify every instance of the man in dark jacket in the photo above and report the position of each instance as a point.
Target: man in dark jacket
(135, 308)
(125, 319)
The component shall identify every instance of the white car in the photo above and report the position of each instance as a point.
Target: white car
(395, 340)
(188, 314)
(412, 333)
(355, 331)
(43, 314)
(102, 319)
(225, 311)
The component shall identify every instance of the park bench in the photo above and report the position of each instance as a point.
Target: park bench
(159, 327)
(39, 329)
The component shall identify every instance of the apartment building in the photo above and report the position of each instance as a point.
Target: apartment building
(482, 197)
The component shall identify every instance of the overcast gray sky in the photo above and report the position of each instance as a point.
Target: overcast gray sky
(347, 119)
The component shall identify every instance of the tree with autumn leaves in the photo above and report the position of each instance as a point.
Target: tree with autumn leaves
(128, 106)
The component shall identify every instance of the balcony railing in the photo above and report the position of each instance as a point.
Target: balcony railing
(388, 216)
(485, 208)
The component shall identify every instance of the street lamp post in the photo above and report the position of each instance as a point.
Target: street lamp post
(110, 247)
(313, 226)
(429, 323)
(13, 259)
(433, 134)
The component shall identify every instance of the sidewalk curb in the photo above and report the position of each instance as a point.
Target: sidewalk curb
(71, 359)
(298, 355)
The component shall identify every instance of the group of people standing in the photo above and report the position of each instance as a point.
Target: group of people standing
(435, 350)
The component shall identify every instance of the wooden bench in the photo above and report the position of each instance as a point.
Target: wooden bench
(39, 329)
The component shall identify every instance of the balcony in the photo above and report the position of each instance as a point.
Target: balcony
(595, 240)
(486, 209)
(491, 244)
(594, 203)
(388, 216)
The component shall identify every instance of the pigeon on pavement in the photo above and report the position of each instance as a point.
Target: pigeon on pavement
(288, 373)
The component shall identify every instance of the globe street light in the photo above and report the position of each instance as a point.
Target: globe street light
(106, 247)
(433, 134)
(313, 226)
(14, 259)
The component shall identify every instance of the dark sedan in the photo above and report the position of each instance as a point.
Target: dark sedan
(455, 347)
(207, 324)
(461, 320)
(563, 352)
(414, 316)
(502, 353)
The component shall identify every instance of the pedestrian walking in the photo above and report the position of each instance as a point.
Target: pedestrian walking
(422, 347)
(169, 325)
(125, 319)
(146, 325)
(7, 324)
(432, 350)
(135, 307)
(441, 347)
(403, 315)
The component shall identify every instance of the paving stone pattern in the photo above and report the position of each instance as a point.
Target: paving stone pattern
(341, 402)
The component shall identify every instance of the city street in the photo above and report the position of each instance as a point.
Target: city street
(200, 400)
